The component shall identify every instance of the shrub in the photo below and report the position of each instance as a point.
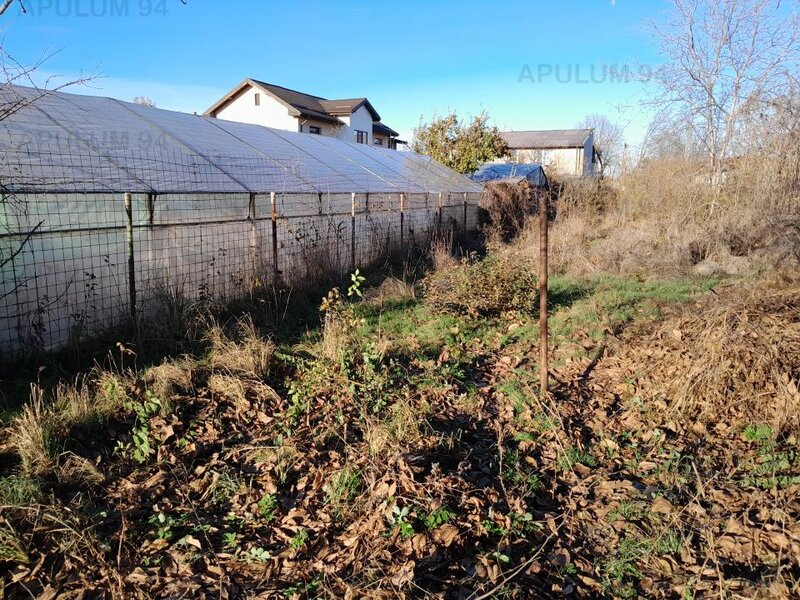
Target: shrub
(508, 206)
(503, 281)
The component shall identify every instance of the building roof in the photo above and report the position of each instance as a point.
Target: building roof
(347, 106)
(556, 138)
(64, 143)
(383, 129)
(300, 103)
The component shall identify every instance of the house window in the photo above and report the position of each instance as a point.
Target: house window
(378, 141)
(313, 129)
(257, 98)
(362, 137)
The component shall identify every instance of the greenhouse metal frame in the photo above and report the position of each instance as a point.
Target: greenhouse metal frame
(106, 204)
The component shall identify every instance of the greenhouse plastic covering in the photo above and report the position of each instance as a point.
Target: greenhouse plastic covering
(533, 173)
(58, 142)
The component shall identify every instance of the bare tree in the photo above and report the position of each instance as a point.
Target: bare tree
(144, 101)
(607, 141)
(725, 61)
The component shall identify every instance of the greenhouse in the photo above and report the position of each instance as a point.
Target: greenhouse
(107, 204)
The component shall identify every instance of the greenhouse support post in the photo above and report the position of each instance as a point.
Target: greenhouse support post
(465, 215)
(439, 217)
(353, 232)
(131, 263)
(275, 271)
(402, 218)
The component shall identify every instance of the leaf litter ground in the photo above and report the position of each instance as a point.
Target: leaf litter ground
(411, 456)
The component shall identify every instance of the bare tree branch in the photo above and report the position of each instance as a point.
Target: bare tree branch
(726, 60)
(7, 4)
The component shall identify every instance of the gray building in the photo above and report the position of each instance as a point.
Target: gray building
(565, 152)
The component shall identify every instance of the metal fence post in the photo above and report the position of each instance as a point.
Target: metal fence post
(275, 271)
(352, 232)
(465, 215)
(402, 218)
(131, 262)
(151, 208)
(439, 224)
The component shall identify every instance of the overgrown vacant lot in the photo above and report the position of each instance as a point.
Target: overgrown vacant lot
(402, 450)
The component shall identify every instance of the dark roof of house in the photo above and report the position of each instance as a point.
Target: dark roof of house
(383, 129)
(348, 106)
(303, 104)
(558, 138)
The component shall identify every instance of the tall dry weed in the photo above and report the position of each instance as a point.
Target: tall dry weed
(246, 352)
(441, 252)
(665, 219)
(508, 206)
(32, 435)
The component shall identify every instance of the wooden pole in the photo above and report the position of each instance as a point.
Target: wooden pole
(543, 361)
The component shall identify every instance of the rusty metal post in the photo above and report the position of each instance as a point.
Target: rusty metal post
(353, 232)
(465, 216)
(402, 218)
(275, 271)
(131, 262)
(543, 360)
(151, 208)
(439, 219)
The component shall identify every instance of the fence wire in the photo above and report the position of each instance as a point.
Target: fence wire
(75, 261)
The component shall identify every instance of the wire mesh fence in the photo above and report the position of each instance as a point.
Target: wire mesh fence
(106, 205)
(75, 264)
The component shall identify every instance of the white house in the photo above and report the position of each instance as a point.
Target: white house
(349, 119)
(567, 152)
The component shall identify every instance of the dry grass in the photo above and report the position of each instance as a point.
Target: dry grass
(74, 404)
(739, 355)
(170, 378)
(403, 427)
(508, 206)
(335, 338)
(664, 219)
(31, 435)
(394, 288)
(441, 253)
(728, 360)
(247, 353)
(48, 418)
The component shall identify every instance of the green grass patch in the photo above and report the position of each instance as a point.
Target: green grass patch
(20, 491)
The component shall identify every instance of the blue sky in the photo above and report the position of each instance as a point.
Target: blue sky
(531, 65)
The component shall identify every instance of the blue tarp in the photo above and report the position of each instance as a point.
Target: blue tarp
(514, 172)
